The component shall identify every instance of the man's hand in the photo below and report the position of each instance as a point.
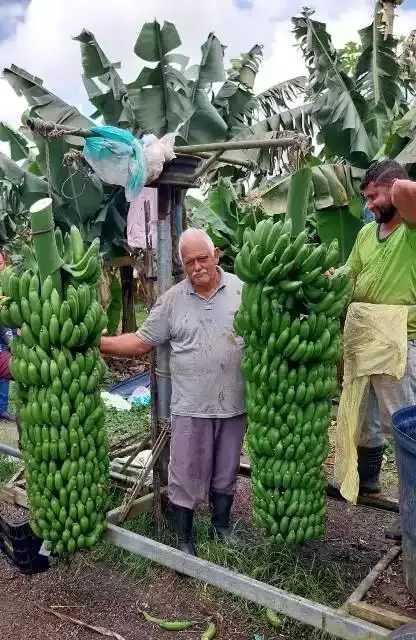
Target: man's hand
(127, 345)
(330, 272)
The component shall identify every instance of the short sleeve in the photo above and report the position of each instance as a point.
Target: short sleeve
(411, 236)
(156, 328)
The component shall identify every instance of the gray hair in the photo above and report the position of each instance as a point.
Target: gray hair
(195, 233)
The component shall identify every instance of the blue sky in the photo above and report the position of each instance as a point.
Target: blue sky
(37, 36)
(12, 12)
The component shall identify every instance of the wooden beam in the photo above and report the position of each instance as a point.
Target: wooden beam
(310, 613)
(378, 503)
(122, 478)
(139, 506)
(370, 579)
(120, 453)
(14, 495)
(375, 615)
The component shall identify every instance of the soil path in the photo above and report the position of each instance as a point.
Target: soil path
(108, 597)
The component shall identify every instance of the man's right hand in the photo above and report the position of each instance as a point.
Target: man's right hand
(330, 272)
(127, 345)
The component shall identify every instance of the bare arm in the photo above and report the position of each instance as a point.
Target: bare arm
(403, 195)
(127, 345)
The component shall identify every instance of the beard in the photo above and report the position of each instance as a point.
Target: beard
(385, 214)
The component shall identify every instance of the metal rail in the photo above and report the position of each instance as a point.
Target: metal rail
(10, 451)
(311, 613)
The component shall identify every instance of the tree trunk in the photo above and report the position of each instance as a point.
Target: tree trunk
(129, 312)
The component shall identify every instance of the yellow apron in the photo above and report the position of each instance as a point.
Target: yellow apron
(375, 342)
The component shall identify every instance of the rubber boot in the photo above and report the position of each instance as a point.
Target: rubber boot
(221, 506)
(369, 467)
(182, 523)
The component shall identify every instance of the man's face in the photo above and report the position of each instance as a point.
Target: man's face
(199, 263)
(378, 197)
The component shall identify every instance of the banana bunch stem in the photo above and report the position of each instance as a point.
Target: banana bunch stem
(47, 255)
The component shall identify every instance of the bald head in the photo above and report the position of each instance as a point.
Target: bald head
(199, 258)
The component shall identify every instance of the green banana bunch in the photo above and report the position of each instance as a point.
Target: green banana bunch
(58, 369)
(289, 319)
(82, 266)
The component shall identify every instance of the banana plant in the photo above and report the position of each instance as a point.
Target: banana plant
(354, 112)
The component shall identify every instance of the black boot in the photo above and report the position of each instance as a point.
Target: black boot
(221, 506)
(369, 467)
(182, 523)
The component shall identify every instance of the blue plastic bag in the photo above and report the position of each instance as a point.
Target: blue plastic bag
(117, 158)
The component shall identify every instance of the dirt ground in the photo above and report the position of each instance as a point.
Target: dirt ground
(125, 368)
(390, 592)
(102, 595)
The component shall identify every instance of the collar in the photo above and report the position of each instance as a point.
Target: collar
(190, 290)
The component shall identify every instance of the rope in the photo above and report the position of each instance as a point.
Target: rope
(48, 167)
(70, 179)
(71, 158)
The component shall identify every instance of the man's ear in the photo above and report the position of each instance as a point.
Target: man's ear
(217, 254)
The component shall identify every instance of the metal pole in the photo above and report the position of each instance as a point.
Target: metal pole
(237, 145)
(10, 451)
(164, 281)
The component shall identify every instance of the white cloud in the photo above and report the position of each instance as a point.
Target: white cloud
(43, 46)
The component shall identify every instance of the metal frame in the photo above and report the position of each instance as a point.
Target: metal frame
(338, 622)
(326, 619)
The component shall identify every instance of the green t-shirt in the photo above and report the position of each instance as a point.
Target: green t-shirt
(385, 269)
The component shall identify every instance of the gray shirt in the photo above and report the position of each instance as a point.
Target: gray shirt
(206, 354)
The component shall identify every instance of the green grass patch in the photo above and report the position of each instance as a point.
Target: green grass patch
(141, 313)
(135, 422)
(8, 467)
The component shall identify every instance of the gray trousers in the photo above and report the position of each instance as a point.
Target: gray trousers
(386, 395)
(204, 456)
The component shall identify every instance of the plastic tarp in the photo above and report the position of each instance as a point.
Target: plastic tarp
(370, 348)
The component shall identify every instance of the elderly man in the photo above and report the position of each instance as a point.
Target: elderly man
(207, 405)
(383, 264)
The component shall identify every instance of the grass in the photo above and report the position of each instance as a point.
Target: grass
(135, 422)
(8, 466)
(294, 571)
(299, 572)
(141, 313)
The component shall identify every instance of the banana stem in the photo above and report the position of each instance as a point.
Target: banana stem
(43, 231)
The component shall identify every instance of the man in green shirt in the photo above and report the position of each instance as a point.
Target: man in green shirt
(383, 265)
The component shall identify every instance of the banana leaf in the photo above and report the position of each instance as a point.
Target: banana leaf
(339, 223)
